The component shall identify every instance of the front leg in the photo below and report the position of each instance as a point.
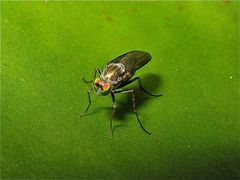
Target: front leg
(94, 76)
(89, 103)
(114, 107)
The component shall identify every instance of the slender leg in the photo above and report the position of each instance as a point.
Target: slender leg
(94, 76)
(89, 103)
(140, 86)
(134, 106)
(114, 107)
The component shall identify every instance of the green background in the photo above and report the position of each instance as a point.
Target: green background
(47, 47)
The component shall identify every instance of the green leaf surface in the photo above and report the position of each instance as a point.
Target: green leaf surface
(47, 47)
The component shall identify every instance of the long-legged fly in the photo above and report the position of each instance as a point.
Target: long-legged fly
(117, 74)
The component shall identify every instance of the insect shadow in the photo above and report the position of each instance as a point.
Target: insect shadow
(150, 82)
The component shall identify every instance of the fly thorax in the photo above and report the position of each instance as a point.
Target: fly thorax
(121, 67)
(113, 72)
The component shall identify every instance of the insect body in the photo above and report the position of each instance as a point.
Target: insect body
(117, 74)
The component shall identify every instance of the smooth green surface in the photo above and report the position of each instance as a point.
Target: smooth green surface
(47, 47)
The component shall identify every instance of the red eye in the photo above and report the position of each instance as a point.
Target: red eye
(105, 86)
(97, 82)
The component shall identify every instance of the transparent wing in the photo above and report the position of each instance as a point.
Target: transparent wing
(133, 60)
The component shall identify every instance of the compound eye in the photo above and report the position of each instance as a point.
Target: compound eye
(106, 86)
(97, 82)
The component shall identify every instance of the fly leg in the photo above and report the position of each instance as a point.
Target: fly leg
(144, 90)
(134, 106)
(140, 86)
(94, 76)
(89, 103)
(114, 107)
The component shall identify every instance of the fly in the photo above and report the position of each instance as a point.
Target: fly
(117, 74)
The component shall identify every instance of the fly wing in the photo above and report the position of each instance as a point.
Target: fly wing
(133, 60)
